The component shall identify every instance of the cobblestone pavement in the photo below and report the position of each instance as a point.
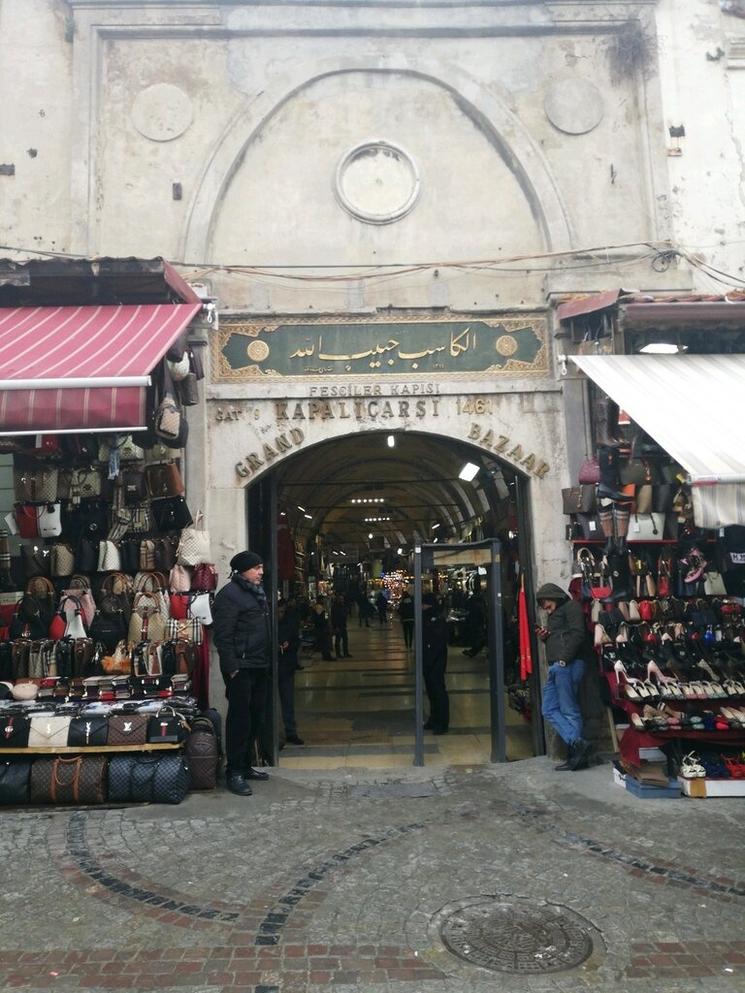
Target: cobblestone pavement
(341, 881)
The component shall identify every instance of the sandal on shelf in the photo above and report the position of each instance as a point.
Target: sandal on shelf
(691, 767)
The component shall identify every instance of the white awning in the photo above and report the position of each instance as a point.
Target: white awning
(693, 406)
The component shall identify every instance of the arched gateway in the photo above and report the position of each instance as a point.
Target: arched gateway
(311, 401)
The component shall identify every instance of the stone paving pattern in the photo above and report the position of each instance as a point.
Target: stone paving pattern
(339, 881)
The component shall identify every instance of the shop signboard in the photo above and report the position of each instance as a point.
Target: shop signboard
(467, 346)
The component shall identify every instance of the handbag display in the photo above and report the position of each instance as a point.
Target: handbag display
(50, 520)
(171, 514)
(194, 544)
(635, 471)
(148, 779)
(27, 520)
(166, 727)
(109, 627)
(14, 731)
(15, 775)
(589, 472)
(646, 527)
(133, 487)
(86, 555)
(188, 391)
(714, 584)
(204, 578)
(35, 560)
(200, 608)
(79, 484)
(165, 554)
(147, 622)
(127, 729)
(184, 630)
(48, 732)
(36, 485)
(578, 499)
(62, 560)
(643, 498)
(202, 754)
(119, 663)
(109, 559)
(147, 554)
(179, 368)
(123, 445)
(179, 580)
(42, 659)
(590, 525)
(179, 605)
(74, 600)
(88, 731)
(79, 780)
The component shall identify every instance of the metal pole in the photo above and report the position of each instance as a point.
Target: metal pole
(418, 698)
(525, 553)
(496, 658)
(273, 592)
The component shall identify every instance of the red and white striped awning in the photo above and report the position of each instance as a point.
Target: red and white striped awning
(65, 369)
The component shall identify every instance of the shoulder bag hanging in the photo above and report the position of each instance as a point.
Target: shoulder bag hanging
(194, 544)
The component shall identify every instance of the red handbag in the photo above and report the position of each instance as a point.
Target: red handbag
(27, 520)
(58, 626)
(647, 610)
(589, 472)
(204, 578)
(180, 605)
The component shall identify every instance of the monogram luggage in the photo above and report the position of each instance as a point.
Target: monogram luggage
(80, 779)
(201, 753)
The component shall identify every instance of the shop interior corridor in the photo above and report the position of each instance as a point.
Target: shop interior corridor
(359, 712)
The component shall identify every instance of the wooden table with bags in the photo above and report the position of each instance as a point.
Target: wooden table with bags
(147, 757)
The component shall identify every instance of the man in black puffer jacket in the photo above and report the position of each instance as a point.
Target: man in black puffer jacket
(242, 636)
(565, 636)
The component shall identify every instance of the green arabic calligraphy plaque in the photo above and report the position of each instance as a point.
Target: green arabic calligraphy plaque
(317, 348)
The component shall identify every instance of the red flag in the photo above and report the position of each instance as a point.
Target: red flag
(526, 657)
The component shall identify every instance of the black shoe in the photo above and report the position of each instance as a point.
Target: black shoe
(237, 784)
(580, 754)
(255, 774)
(565, 766)
(293, 739)
(328, 658)
(427, 725)
(348, 656)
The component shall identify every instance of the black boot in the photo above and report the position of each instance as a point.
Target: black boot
(566, 764)
(580, 754)
(609, 485)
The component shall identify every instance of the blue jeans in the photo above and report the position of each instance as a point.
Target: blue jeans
(561, 699)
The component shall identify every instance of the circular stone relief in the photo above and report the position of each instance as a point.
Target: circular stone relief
(377, 182)
(573, 105)
(162, 112)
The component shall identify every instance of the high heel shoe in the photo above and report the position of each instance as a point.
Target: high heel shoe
(691, 767)
(632, 687)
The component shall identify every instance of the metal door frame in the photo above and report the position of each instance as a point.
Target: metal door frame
(495, 649)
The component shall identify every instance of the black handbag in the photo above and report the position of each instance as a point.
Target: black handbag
(148, 779)
(86, 555)
(36, 561)
(133, 486)
(129, 554)
(87, 731)
(108, 629)
(188, 391)
(166, 727)
(14, 780)
(14, 730)
(165, 554)
(171, 514)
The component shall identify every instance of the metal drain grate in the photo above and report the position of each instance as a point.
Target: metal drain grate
(510, 934)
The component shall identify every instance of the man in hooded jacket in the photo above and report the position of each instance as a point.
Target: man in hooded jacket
(565, 638)
(242, 636)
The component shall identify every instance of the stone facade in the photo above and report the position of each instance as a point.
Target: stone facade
(318, 140)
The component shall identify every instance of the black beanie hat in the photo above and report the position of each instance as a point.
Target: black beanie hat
(244, 561)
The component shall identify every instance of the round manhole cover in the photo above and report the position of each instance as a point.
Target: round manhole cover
(510, 934)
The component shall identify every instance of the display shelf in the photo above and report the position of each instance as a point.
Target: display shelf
(629, 541)
(91, 749)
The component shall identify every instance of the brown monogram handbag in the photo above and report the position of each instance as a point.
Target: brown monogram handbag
(81, 779)
(127, 729)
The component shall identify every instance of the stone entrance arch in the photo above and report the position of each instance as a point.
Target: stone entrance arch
(251, 431)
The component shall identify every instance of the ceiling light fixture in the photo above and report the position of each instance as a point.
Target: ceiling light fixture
(370, 534)
(435, 526)
(308, 516)
(468, 472)
(660, 348)
(301, 509)
(391, 441)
